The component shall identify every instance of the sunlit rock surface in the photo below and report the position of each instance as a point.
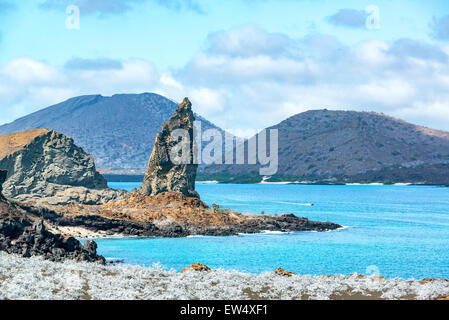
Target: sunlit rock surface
(45, 165)
(163, 174)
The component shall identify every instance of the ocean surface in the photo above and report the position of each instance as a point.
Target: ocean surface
(394, 231)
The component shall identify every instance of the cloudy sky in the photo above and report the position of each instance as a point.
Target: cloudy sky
(245, 64)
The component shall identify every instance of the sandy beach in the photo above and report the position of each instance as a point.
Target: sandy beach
(79, 232)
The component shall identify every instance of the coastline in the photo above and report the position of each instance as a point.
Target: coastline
(167, 215)
(208, 182)
(82, 234)
(308, 183)
(379, 184)
(294, 182)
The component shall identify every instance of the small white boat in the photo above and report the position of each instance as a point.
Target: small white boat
(306, 204)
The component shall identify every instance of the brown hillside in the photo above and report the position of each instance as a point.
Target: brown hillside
(349, 146)
(13, 142)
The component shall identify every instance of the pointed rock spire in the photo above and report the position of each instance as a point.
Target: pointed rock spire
(163, 173)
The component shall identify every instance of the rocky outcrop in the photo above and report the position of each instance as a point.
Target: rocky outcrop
(163, 174)
(282, 272)
(45, 165)
(24, 233)
(173, 215)
(196, 267)
(22, 237)
(61, 195)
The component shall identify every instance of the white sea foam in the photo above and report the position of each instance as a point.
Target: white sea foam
(36, 278)
(265, 232)
(296, 203)
(274, 232)
(207, 182)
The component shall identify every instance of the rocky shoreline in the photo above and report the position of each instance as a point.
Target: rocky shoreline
(25, 233)
(168, 215)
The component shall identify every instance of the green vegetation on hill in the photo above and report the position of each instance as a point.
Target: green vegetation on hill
(223, 178)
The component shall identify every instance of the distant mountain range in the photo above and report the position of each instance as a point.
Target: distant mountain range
(317, 146)
(324, 146)
(119, 131)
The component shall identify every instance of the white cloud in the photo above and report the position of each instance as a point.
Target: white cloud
(247, 41)
(225, 67)
(207, 101)
(373, 52)
(430, 114)
(245, 84)
(27, 85)
(267, 85)
(168, 80)
(26, 71)
(135, 76)
(388, 93)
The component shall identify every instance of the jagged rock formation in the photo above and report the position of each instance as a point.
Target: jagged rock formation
(162, 174)
(47, 166)
(24, 233)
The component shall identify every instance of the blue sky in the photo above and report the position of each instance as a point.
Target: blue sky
(246, 64)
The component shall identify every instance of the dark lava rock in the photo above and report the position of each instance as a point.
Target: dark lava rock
(26, 239)
(3, 175)
(21, 238)
(24, 233)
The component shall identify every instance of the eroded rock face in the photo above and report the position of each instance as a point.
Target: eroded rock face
(24, 233)
(162, 174)
(3, 175)
(47, 165)
(61, 195)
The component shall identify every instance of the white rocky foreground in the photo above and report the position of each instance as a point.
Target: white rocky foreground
(36, 278)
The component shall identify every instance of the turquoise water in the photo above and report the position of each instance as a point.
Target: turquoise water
(397, 231)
